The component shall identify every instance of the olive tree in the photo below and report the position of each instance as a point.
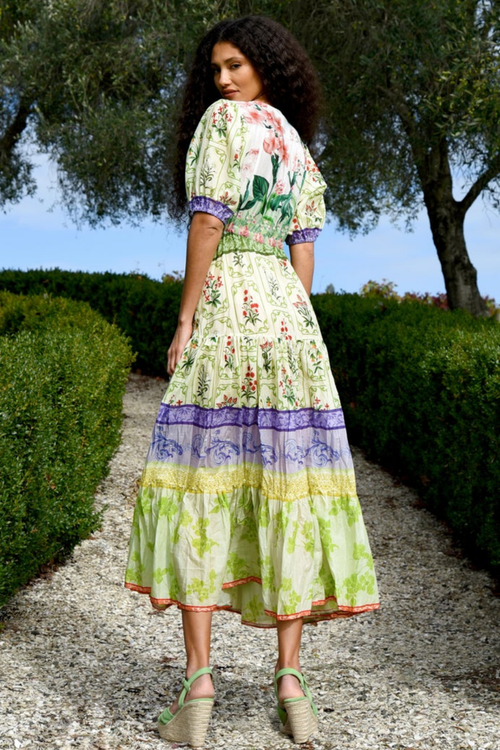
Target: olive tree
(93, 84)
(412, 106)
(412, 115)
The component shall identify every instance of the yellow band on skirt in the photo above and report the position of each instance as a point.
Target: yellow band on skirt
(273, 485)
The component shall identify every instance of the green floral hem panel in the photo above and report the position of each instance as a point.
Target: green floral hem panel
(260, 557)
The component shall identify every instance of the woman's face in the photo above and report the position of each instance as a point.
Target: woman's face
(234, 75)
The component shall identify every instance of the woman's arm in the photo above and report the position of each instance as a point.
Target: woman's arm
(302, 258)
(204, 236)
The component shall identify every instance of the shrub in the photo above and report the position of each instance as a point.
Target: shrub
(144, 309)
(420, 386)
(421, 392)
(387, 290)
(62, 377)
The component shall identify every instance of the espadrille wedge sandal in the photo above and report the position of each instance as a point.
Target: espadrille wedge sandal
(298, 716)
(190, 721)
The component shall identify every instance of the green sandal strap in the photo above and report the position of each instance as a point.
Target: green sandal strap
(165, 716)
(288, 670)
(282, 714)
(187, 684)
(303, 685)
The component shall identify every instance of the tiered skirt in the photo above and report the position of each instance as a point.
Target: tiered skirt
(247, 501)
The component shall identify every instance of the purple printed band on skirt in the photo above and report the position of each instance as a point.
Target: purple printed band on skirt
(245, 416)
(210, 206)
(302, 235)
(198, 448)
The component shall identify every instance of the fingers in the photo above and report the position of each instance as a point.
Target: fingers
(173, 358)
(179, 342)
(174, 355)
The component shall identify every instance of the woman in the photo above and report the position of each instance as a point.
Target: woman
(248, 500)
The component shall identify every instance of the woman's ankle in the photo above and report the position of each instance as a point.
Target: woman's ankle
(193, 667)
(202, 687)
(287, 664)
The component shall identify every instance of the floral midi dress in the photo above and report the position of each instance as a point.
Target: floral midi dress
(247, 501)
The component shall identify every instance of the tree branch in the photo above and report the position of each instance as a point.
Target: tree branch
(480, 184)
(396, 96)
(15, 129)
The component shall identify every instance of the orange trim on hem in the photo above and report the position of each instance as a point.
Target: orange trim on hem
(314, 617)
(343, 611)
(231, 584)
(361, 608)
(139, 589)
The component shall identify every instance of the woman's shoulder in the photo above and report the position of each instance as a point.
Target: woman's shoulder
(219, 112)
(251, 113)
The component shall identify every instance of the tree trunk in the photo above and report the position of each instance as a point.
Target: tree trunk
(15, 129)
(446, 217)
(460, 276)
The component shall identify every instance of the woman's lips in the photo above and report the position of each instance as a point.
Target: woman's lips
(229, 93)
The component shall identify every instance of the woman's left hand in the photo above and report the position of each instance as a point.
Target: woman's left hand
(204, 236)
(181, 337)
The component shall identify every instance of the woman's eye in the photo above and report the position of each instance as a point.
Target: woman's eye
(235, 65)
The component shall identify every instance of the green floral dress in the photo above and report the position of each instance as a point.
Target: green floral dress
(248, 500)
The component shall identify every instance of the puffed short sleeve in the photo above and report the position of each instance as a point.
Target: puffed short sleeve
(309, 217)
(213, 178)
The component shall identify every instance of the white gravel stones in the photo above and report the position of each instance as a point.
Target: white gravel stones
(86, 664)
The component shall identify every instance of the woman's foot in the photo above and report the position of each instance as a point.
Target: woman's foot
(288, 685)
(202, 687)
(188, 718)
(296, 709)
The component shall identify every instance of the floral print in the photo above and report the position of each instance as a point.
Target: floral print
(211, 290)
(250, 309)
(284, 331)
(229, 352)
(286, 387)
(249, 385)
(227, 401)
(267, 179)
(248, 500)
(316, 359)
(304, 312)
(221, 118)
(267, 360)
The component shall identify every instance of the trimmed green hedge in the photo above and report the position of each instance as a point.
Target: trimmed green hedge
(421, 391)
(420, 386)
(144, 309)
(62, 376)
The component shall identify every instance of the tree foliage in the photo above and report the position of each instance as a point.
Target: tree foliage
(93, 83)
(401, 76)
(412, 101)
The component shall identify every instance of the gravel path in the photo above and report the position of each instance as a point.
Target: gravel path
(86, 664)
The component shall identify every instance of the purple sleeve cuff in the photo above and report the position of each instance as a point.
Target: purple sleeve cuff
(302, 235)
(210, 206)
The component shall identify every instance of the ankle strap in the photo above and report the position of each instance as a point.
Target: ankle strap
(295, 673)
(187, 683)
(289, 670)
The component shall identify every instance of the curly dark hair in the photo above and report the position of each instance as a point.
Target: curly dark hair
(289, 79)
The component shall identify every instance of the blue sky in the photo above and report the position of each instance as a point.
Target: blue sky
(37, 234)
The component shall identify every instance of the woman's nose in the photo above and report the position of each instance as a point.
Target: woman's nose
(224, 79)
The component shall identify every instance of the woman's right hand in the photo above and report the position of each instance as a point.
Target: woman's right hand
(181, 337)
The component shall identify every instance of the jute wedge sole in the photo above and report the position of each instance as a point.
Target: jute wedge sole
(189, 724)
(301, 722)
(299, 716)
(190, 721)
